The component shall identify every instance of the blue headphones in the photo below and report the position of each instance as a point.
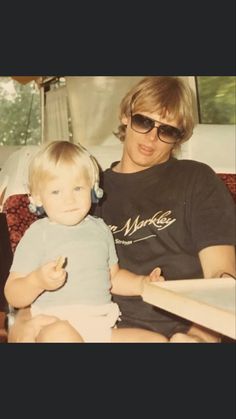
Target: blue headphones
(34, 209)
(96, 193)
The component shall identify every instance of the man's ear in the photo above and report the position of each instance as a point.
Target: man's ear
(124, 119)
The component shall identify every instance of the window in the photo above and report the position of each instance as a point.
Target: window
(216, 99)
(20, 105)
(20, 112)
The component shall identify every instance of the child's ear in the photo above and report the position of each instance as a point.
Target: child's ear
(37, 200)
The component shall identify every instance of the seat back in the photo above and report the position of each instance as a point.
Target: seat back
(229, 180)
(6, 256)
(14, 221)
(18, 217)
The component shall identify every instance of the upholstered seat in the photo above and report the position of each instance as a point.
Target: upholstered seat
(18, 216)
(230, 181)
(6, 256)
(14, 221)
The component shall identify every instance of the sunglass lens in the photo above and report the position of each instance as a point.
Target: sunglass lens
(166, 133)
(142, 124)
(169, 134)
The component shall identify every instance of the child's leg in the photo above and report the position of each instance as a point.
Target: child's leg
(184, 338)
(196, 334)
(204, 334)
(25, 328)
(125, 335)
(59, 332)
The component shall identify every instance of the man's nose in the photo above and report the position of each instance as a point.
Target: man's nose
(152, 135)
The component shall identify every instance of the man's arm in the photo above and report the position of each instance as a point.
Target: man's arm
(127, 283)
(216, 260)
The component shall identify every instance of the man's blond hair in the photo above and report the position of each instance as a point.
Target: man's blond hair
(169, 96)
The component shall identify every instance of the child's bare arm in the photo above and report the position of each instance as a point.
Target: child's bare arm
(21, 291)
(127, 283)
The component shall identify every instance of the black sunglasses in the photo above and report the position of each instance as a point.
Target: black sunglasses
(166, 133)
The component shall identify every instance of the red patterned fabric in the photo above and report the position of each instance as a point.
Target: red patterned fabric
(18, 216)
(230, 181)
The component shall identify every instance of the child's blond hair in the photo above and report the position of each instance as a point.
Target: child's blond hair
(58, 154)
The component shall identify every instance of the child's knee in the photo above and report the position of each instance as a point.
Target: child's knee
(59, 331)
(51, 331)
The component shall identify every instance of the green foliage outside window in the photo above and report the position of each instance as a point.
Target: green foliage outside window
(216, 95)
(20, 121)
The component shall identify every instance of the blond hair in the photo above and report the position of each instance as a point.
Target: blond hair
(58, 154)
(170, 96)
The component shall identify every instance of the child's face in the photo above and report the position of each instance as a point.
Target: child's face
(66, 198)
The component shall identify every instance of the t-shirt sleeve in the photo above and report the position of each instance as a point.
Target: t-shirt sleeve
(113, 258)
(212, 210)
(28, 252)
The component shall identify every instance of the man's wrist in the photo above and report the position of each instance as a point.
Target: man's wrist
(142, 280)
(227, 275)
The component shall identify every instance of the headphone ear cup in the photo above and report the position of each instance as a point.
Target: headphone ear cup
(96, 193)
(34, 209)
(99, 192)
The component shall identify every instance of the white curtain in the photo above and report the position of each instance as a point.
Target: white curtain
(56, 120)
(94, 106)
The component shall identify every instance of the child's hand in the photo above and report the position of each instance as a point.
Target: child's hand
(52, 276)
(155, 275)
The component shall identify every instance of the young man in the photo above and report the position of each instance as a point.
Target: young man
(175, 214)
(162, 211)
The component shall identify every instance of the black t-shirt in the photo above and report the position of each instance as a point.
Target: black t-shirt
(163, 216)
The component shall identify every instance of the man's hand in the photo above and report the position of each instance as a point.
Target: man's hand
(155, 275)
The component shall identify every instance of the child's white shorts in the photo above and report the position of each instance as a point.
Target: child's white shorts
(94, 323)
